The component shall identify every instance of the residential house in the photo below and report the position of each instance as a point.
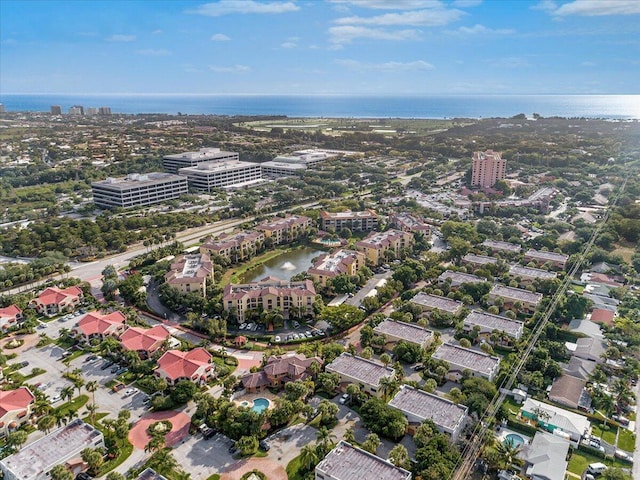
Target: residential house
(15, 409)
(600, 315)
(364, 221)
(62, 446)
(590, 348)
(418, 406)
(235, 247)
(341, 262)
(579, 368)
(546, 457)
(555, 419)
(460, 359)
(191, 273)
(53, 300)
(368, 374)
(346, 462)
(98, 325)
(557, 260)
(270, 293)
(380, 247)
(455, 279)
(429, 303)
(486, 324)
(570, 392)
(510, 296)
(145, 341)
(194, 365)
(279, 370)
(394, 331)
(283, 230)
(10, 317)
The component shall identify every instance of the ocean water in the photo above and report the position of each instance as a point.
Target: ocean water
(344, 106)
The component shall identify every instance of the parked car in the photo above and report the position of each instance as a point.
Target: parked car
(106, 365)
(24, 364)
(264, 445)
(91, 358)
(277, 339)
(623, 455)
(419, 367)
(121, 370)
(118, 386)
(343, 398)
(130, 391)
(594, 442)
(115, 369)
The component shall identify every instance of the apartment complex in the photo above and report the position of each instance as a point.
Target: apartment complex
(346, 462)
(341, 262)
(394, 331)
(206, 176)
(455, 279)
(478, 260)
(479, 364)
(408, 222)
(528, 275)
(418, 406)
(366, 373)
(487, 323)
(10, 316)
(434, 302)
(287, 229)
(235, 247)
(487, 168)
(278, 371)
(557, 260)
(364, 221)
(510, 296)
(268, 294)
(53, 300)
(137, 190)
(172, 163)
(98, 325)
(376, 245)
(35, 461)
(191, 273)
(194, 365)
(498, 246)
(15, 409)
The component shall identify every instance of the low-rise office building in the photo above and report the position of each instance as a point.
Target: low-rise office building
(275, 169)
(207, 176)
(191, 273)
(418, 406)
(557, 260)
(194, 365)
(53, 300)
(234, 247)
(510, 296)
(366, 373)
(376, 245)
(455, 279)
(287, 229)
(479, 364)
(340, 262)
(487, 323)
(346, 462)
(268, 294)
(498, 246)
(394, 331)
(98, 325)
(528, 275)
(145, 341)
(137, 190)
(35, 461)
(434, 302)
(10, 317)
(407, 222)
(364, 221)
(173, 163)
(16, 407)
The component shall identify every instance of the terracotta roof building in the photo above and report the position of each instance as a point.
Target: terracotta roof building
(52, 300)
(194, 365)
(191, 273)
(409, 223)
(288, 229)
(376, 245)
(98, 325)
(364, 221)
(145, 341)
(10, 316)
(234, 247)
(279, 370)
(600, 315)
(15, 409)
(340, 262)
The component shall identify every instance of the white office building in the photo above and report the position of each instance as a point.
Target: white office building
(281, 169)
(172, 163)
(137, 190)
(206, 176)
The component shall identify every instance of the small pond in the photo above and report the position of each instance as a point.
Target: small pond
(284, 266)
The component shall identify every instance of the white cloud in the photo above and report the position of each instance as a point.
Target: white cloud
(157, 32)
(347, 33)
(220, 37)
(231, 69)
(466, 3)
(385, 67)
(390, 4)
(545, 6)
(226, 7)
(150, 52)
(121, 38)
(510, 62)
(591, 8)
(429, 17)
(289, 45)
(478, 29)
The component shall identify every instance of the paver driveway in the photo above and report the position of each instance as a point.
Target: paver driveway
(139, 437)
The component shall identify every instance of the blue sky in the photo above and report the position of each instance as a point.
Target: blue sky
(385, 47)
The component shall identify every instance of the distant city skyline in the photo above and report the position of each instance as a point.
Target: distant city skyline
(372, 47)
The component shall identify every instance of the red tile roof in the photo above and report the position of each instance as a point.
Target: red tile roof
(145, 339)
(95, 322)
(12, 400)
(600, 315)
(176, 364)
(10, 311)
(54, 296)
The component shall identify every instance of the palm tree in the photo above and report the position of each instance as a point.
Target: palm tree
(326, 439)
(46, 423)
(78, 383)
(309, 456)
(67, 393)
(349, 436)
(92, 409)
(71, 414)
(508, 452)
(60, 418)
(91, 387)
(163, 462)
(388, 387)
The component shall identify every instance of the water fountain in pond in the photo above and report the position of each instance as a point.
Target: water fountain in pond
(288, 266)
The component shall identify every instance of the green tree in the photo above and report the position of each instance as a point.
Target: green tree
(46, 423)
(371, 443)
(247, 445)
(400, 457)
(60, 472)
(309, 457)
(93, 458)
(183, 392)
(17, 439)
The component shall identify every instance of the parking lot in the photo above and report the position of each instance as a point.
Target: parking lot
(201, 458)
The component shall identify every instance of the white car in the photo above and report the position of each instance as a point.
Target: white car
(277, 339)
(344, 398)
(130, 391)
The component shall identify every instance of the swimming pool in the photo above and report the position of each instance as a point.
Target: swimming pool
(260, 405)
(513, 439)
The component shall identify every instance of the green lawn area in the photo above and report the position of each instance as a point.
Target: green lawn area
(75, 404)
(608, 436)
(215, 476)
(293, 469)
(577, 288)
(626, 440)
(73, 356)
(512, 407)
(99, 416)
(125, 451)
(580, 460)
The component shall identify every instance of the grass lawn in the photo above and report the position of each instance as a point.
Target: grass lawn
(294, 468)
(625, 250)
(626, 440)
(125, 451)
(99, 416)
(608, 436)
(580, 460)
(512, 407)
(75, 405)
(73, 356)
(577, 288)
(215, 476)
